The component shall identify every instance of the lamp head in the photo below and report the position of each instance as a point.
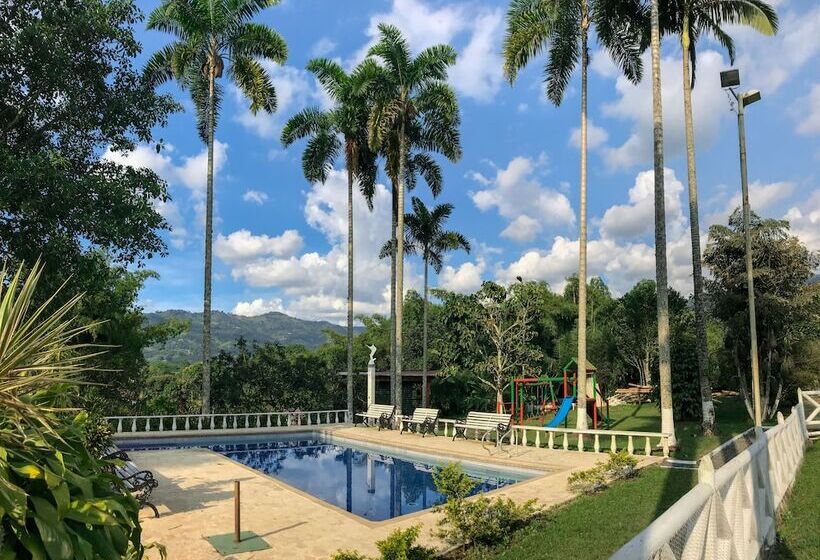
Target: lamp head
(750, 97)
(730, 78)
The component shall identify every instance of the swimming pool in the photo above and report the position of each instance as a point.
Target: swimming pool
(373, 483)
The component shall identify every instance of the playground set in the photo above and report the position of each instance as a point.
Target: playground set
(536, 397)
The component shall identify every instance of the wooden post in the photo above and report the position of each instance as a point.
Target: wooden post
(236, 532)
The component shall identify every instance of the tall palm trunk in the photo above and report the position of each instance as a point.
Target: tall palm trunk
(209, 215)
(424, 337)
(664, 365)
(581, 376)
(393, 220)
(707, 406)
(351, 159)
(400, 270)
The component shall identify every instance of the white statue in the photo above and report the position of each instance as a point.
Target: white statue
(372, 355)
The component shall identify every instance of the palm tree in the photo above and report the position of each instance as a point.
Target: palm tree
(425, 232)
(414, 107)
(342, 128)
(691, 19)
(562, 29)
(209, 34)
(664, 361)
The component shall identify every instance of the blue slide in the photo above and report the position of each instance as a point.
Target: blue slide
(560, 416)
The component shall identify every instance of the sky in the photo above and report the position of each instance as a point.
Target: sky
(280, 241)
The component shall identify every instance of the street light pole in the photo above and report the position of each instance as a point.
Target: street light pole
(747, 233)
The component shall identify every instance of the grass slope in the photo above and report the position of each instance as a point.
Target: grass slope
(798, 532)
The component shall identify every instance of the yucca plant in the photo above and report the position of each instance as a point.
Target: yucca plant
(56, 501)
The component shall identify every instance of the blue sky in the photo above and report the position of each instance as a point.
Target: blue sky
(280, 241)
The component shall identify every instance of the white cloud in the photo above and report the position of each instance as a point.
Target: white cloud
(805, 221)
(314, 284)
(709, 106)
(762, 198)
(769, 62)
(257, 197)
(806, 112)
(242, 246)
(465, 278)
(322, 47)
(478, 70)
(596, 136)
(258, 306)
(519, 197)
(170, 211)
(637, 218)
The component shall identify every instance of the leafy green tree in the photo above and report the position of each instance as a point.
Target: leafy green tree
(413, 102)
(562, 28)
(87, 218)
(425, 229)
(691, 20)
(342, 128)
(788, 306)
(207, 35)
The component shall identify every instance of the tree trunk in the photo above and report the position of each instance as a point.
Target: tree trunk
(209, 219)
(400, 271)
(664, 365)
(707, 406)
(350, 164)
(581, 376)
(393, 220)
(424, 339)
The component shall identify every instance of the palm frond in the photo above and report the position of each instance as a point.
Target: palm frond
(254, 40)
(564, 53)
(330, 74)
(431, 64)
(320, 153)
(181, 18)
(529, 29)
(241, 11)
(757, 14)
(253, 81)
(621, 26)
(307, 122)
(393, 50)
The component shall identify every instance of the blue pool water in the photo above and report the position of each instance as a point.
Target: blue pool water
(366, 482)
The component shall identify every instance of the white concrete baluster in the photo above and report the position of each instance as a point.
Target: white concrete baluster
(173, 423)
(199, 422)
(612, 444)
(580, 442)
(119, 426)
(647, 447)
(566, 441)
(630, 446)
(537, 438)
(147, 424)
(551, 442)
(597, 444)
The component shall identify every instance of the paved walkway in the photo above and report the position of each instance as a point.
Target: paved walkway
(195, 498)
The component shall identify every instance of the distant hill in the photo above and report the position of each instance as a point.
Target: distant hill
(226, 328)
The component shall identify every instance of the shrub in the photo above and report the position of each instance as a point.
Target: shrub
(590, 481)
(621, 465)
(400, 545)
(479, 521)
(453, 482)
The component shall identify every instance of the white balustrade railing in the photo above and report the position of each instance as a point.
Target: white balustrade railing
(580, 440)
(224, 422)
(731, 512)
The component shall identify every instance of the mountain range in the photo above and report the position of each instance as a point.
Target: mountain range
(226, 328)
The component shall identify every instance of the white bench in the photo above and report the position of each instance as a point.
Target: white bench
(484, 422)
(423, 421)
(381, 413)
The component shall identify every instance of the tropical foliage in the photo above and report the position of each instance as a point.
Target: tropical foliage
(415, 112)
(209, 34)
(56, 500)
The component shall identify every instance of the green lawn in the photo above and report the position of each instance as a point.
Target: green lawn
(732, 420)
(799, 527)
(596, 526)
(592, 527)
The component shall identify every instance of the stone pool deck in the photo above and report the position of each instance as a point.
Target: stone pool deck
(195, 498)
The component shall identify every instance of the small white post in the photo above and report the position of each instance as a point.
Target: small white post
(371, 379)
